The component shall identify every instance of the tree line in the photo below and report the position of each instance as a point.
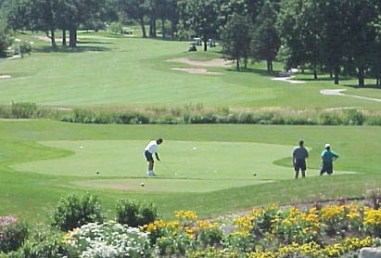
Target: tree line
(339, 37)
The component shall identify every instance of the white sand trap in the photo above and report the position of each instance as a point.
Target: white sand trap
(287, 79)
(216, 62)
(5, 77)
(194, 70)
(333, 92)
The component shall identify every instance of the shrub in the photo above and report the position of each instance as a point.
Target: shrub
(50, 247)
(354, 117)
(135, 214)
(374, 197)
(116, 28)
(12, 233)
(330, 119)
(108, 240)
(23, 109)
(74, 211)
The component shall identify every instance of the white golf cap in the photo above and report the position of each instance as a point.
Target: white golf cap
(327, 145)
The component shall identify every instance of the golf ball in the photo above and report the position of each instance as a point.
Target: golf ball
(81, 146)
(142, 184)
(194, 148)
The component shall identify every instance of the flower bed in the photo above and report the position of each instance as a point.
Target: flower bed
(331, 230)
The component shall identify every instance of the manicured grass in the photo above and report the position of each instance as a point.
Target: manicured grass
(33, 146)
(109, 70)
(41, 160)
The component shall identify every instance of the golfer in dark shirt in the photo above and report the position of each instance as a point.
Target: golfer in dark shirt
(299, 156)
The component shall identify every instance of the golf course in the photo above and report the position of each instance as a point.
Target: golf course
(212, 169)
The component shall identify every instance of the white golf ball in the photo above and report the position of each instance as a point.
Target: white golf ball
(81, 147)
(142, 184)
(194, 148)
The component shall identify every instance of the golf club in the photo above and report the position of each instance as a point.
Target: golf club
(167, 168)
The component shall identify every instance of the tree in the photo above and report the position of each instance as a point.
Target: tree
(300, 35)
(375, 57)
(78, 12)
(201, 16)
(359, 19)
(135, 9)
(42, 17)
(236, 39)
(15, 13)
(5, 40)
(265, 41)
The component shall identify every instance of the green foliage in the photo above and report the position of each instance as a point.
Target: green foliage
(50, 247)
(116, 28)
(135, 214)
(173, 245)
(74, 211)
(25, 47)
(5, 42)
(236, 38)
(23, 109)
(13, 233)
(265, 39)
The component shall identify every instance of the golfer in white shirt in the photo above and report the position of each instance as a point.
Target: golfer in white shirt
(150, 149)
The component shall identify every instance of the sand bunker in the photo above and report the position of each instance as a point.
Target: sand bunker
(194, 70)
(216, 62)
(332, 92)
(287, 79)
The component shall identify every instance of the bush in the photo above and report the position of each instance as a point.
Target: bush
(51, 247)
(12, 234)
(354, 117)
(135, 214)
(23, 109)
(108, 240)
(330, 119)
(74, 211)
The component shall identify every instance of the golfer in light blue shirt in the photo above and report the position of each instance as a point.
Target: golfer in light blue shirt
(327, 157)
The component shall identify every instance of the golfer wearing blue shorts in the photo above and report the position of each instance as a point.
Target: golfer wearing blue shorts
(327, 157)
(149, 150)
(299, 156)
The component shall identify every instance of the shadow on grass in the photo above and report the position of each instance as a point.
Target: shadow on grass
(78, 49)
(262, 72)
(367, 86)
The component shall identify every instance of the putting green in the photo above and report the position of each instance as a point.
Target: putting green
(179, 159)
(186, 166)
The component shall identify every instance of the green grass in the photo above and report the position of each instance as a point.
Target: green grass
(39, 160)
(110, 70)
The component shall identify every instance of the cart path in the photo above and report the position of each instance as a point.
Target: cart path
(339, 92)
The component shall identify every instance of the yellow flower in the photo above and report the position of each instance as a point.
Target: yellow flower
(182, 214)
